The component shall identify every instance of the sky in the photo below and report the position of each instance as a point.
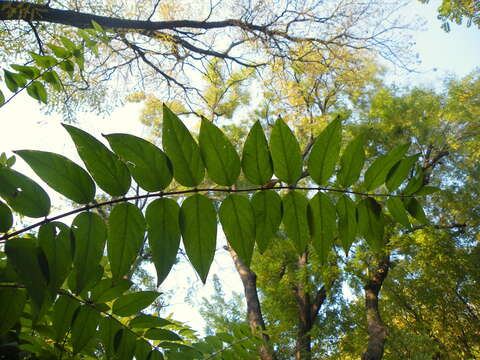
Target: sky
(23, 126)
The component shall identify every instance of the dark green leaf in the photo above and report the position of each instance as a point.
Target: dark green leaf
(183, 151)
(6, 218)
(30, 72)
(295, 206)
(54, 240)
(322, 224)
(155, 355)
(63, 313)
(84, 327)
(25, 257)
(427, 190)
(125, 349)
(67, 66)
(10, 161)
(256, 160)
(23, 194)
(14, 80)
(415, 183)
(351, 162)
(126, 230)
(238, 222)
(148, 321)
(106, 290)
(398, 212)
(142, 350)
(324, 154)
(347, 221)
(2, 98)
(198, 224)
(108, 331)
(162, 217)
(12, 302)
(415, 209)
(400, 171)
(286, 155)
(61, 174)
(148, 165)
(219, 155)
(109, 173)
(267, 208)
(90, 232)
(378, 171)
(52, 78)
(371, 222)
(130, 304)
(37, 91)
(162, 334)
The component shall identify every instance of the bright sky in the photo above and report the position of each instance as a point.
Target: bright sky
(23, 126)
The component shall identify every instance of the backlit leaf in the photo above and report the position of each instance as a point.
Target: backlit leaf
(61, 174)
(37, 91)
(397, 210)
(351, 162)
(84, 326)
(371, 222)
(162, 334)
(295, 206)
(322, 224)
(130, 304)
(256, 160)
(183, 151)
(148, 321)
(90, 232)
(236, 216)
(415, 209)
(163, 225)
(324, 154)
(126, 230)
(106, 290)
(198, 224)
(63, 313)
(23, 194)
(109, 173)
(397, 175)
(377, 173)
(6, 218)
(219, 155)
(267, 209)
(149, 165)
(347, 221)
(12, 302)
(286, 155)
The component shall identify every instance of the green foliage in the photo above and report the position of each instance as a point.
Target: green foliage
(73, 287)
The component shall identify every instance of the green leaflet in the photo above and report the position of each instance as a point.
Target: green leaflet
(256, 160)
(12, 302)
(30, 267)
(149, 165)
(108, 331)
(63, 313)
(371, 222)
(347, 221)
(6, 218)
(183, 151)
(162, 217)
(415, 209)
(126, 230)
(106, 290)
(325, 151)
(124, 344)
(415, 183)
(61, 174)
(198, 224)
(351, 162)
(2, 98)
(23, 194)
(238, 222)
(295, 206)
(148, 321)
(51, 77)
(399, 172)
(89, 232)
(427, 190)
(162, 334)
(54, 240)
(267, 209)
(398, 212)
(377, 173)
(109, 173)
(286, 155)
(219, 155)
(142, 350)
(37, 91)
(129, 304)
(322, 224)
(84, 325)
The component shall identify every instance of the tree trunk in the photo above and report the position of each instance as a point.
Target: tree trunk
(254, 311)
(377, 332)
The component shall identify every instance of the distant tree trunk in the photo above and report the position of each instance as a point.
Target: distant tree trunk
(377, 332)
(254, 311)
(307, 313)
